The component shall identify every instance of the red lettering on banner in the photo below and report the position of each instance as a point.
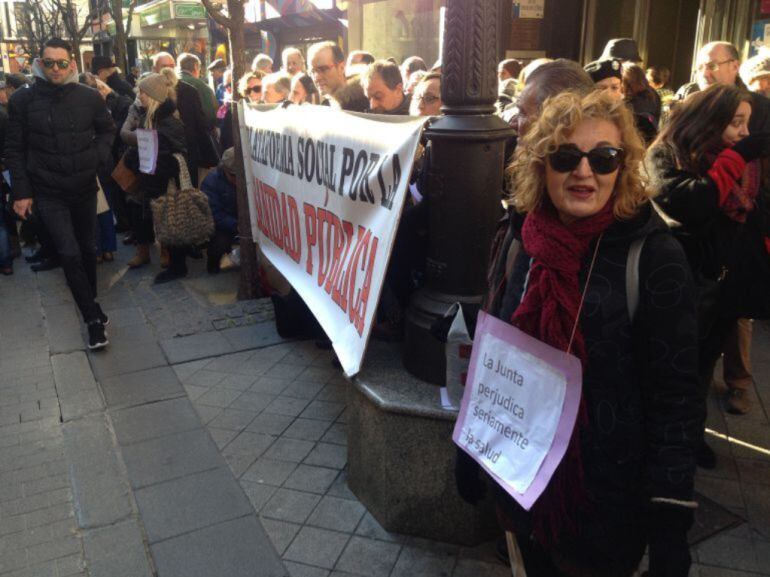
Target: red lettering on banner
(278, 219)
(310, 221)
(339, 284)
(324, 244)
(339, 238)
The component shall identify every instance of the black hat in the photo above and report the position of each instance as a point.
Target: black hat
(601, 69)
(217, 64)
(624, 49)
(100, 63)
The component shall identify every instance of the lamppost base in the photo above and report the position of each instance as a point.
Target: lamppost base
(424, 353)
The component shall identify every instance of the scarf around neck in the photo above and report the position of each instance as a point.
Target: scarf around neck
(549, 312)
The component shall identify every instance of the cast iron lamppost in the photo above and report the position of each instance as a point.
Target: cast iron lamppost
(464, 181)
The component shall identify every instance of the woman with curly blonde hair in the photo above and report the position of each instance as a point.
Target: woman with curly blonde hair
(584, 242)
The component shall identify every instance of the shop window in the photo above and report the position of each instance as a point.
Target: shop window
(402, 28)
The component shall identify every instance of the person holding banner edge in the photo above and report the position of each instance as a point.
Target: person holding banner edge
(626, 480)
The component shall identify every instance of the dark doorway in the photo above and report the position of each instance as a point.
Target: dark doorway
(671, 37)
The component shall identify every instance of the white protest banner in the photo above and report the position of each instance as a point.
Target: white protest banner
(326, 189)
(147, 144)
(519, 408)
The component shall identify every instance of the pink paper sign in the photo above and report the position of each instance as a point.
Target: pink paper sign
(519, 408)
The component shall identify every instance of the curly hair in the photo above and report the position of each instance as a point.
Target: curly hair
(560, 116)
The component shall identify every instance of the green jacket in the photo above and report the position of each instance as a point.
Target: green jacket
(208, 99)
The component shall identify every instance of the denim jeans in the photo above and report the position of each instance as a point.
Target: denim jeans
(105, 233)
(71, 222)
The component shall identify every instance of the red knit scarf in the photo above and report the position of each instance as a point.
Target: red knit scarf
(548, 312)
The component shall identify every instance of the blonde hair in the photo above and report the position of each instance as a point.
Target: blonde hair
(560, 116)
(243, 83)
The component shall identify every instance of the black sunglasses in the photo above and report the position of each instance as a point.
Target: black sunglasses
(63, 64)
(256, 89)
(602, 159)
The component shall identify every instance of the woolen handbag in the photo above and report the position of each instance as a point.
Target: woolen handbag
(182, 216)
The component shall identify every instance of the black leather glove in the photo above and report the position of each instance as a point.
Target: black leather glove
(753, 146)
(470, 485)
(667, 533)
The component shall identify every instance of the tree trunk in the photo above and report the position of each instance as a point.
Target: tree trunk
(119, 49)
(248, 287)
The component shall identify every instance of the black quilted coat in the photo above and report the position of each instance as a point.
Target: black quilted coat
(57, 138)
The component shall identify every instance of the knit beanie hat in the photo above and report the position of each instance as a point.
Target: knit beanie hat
(155, 86)
(624, 49)
(601, 69)
(756, 67)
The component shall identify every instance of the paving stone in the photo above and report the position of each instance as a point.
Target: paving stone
(318, 547)
(253, 401)
(340, 487)
(323, 410)
(136, 424)
(64, 332)
(306, 429)
(269, 385)
(270, 472)
(222, 436)
(75, 384)
(170, 456)
(239, 464)
(238, 382)
(61, 547)
(281, 533)
(252, 337)
(288, 406)
(311, 479)
(234, 419)
(302, 570)
(126, 357)
(190, 503)
(333, 392)
(428, 562)
(293, 450)
(216, 397)
(237, 548)
(337, 434)
(370, 527)
(194, 392)
(321, 374)
(259, 494)
(338, 514)
(726, 550)
(186, 370)
(100, 491)
(753, 471)
(207, 413)
(117, 551)
(328, 455)
(141, 387)
(206, 378)
(126, 317)
(303, 390)
(193, 347)
(249, 443)
(369, 557)
(292, 506)
(724, 491)
(284, 370)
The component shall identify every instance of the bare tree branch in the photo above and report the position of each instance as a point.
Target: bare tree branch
(216, 14)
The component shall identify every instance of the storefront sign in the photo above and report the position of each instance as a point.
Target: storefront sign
(326, 190)
(155, 15)
(191, 11)
(519, 408)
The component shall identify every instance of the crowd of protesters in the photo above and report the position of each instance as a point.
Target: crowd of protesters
(607, 161)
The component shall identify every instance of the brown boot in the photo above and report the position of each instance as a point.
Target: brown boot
(738, 402)
(142, 256)
(165, 257)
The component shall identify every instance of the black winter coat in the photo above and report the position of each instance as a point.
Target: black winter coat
(58, 136)
(640, 382)
(120, 86)
(171, 140)
(200, 146)
(717, 247)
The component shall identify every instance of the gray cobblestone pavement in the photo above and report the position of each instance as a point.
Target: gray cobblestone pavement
(197, 392)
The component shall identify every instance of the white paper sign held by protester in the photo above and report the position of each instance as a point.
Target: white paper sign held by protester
(147, 145)
(519, 408)
(326, 189)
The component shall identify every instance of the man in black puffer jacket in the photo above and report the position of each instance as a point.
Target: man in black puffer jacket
(59, 134)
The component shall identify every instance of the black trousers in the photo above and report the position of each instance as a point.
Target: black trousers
(71, 223)
(140, 219)
(220, 243)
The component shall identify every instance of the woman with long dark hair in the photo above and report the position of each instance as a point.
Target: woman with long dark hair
(642, 99)
(704, 166)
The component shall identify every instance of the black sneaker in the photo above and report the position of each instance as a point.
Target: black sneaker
(102, 317)
(97, 339)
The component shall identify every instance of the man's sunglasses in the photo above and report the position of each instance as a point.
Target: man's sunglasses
(602, 159)
(49, 63)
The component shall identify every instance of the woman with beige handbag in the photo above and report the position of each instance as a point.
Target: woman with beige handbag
(158, 98)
